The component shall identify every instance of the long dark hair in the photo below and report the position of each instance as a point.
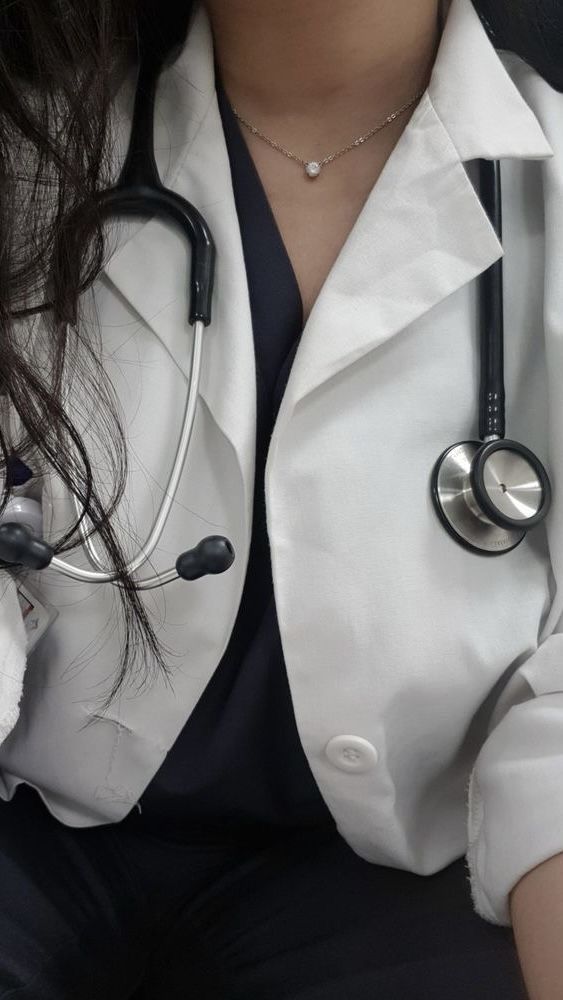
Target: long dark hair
(59, 64)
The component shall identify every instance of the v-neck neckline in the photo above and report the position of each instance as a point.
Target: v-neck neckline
(243, 163)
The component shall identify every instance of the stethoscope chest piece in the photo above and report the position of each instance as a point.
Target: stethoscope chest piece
(488, 495)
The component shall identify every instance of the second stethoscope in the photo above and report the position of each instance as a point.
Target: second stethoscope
(487, 493)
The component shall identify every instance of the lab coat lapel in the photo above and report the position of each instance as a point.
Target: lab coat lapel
(422, 233)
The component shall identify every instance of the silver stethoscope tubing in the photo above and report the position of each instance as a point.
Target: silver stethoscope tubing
(486, 493)
(140, 192)
(489, 493)
(159, 579)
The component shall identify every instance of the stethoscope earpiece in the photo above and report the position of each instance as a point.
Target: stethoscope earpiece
(214, 554)
(19, 547)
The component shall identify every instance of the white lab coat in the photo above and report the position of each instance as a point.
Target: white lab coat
(427, 681)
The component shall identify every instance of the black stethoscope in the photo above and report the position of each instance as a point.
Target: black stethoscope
(489, 493)
(486, 493)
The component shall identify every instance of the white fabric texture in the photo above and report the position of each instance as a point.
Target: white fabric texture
(12, 655)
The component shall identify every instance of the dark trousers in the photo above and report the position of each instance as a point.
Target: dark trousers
(111, 913)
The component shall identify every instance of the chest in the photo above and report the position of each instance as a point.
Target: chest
(316, 216)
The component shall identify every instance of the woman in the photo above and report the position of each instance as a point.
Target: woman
(326, 734)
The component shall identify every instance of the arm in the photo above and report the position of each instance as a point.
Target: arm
(536, 907)
(515, 795)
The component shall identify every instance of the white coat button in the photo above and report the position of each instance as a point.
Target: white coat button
(351, 753)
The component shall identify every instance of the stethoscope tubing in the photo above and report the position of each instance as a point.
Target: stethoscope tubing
(491, 318)
(100, 574)
(140, 193)
(489, 493)
(486, 493)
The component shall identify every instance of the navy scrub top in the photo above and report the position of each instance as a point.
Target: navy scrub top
(237, 771)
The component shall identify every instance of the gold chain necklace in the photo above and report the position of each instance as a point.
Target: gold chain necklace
(313, 167)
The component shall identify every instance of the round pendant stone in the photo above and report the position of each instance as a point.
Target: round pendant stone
(313, 169)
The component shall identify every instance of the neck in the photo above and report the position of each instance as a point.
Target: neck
(281, 59)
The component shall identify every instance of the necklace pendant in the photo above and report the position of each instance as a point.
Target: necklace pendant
(312, 169)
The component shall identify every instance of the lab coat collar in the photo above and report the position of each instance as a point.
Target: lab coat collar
(421, 235)
(478, 105)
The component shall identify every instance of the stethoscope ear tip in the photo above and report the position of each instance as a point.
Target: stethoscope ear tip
(214, 554)
(19, 547)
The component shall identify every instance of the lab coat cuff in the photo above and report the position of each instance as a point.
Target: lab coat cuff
(515, 802)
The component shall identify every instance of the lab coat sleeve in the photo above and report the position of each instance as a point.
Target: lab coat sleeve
(515, 791)
(12, 655)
